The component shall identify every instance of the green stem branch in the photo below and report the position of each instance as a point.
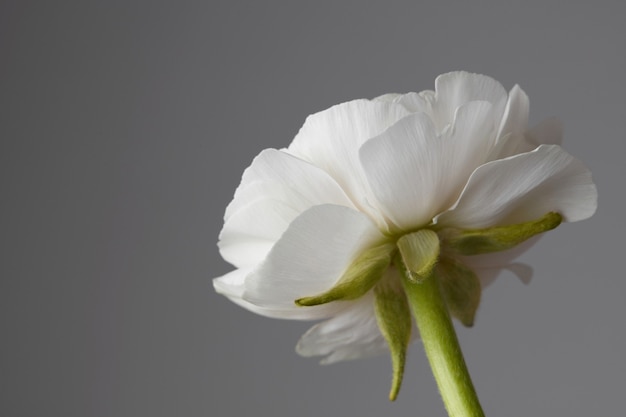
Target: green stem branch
(441, 345)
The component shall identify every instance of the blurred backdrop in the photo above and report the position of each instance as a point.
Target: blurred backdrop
(125, 127)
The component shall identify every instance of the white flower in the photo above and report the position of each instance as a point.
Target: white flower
(365, 172)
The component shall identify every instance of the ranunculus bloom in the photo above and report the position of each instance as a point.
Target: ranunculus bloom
(458, 158)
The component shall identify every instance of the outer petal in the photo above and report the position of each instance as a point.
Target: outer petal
(522, 188)
(457, 88)
(511, 138)
(516, 111)
(413, 102)
(310, 257)
(232, 285)
(249, 234)
(415, 174)
(277, 174)
(331, 139)
(351, 334)
(274, 190)
(389, 97)
(267, 189)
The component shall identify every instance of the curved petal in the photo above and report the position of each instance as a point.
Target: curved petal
(415, 174)
(274, 190)
(413, 102)
(249, 234)
(310, 256)
(388, 97)
(421, 102)
(516, 111)
(511, 138)
(232, 285)
(266, 189)
(457, 88)
(523, 188)
(277, 174)
(331, 139)
(351, 334)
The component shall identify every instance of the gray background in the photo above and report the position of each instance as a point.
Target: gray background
(125, 128)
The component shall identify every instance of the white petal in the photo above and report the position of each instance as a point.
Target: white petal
(331, 139)
(516, 111)
(266, 189)
(414, 174)
(413, 102)
(249, 234)
(418, 102)
(351, 334)
(389, 97)
(523, 188)
(511, 138)
(457, 88)
(274, 190)
(310, 256)
(282, 176)
(232, 285)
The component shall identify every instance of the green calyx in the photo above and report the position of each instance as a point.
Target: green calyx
(366, 270)
(426, 263)
(461, 289)
(494, 239)
(419, 251)
(393, 316)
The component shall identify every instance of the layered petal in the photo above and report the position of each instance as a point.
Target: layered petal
(233, 285)
(351, 334)
(454, 89)
(274, 190)
(249, 234)
(433, 177)
(523, 188)
(415, 174)
(330, 140)
(413, 102)
(310, 257)
(511, 139)
(516, 112)
(388, 97)
(291, 180)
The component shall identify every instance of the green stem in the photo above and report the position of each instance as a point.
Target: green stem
(441, 345)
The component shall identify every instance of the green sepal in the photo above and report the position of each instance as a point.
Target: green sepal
(419, 251)
(461, 289)
(494, 239)
(366, 270)
(393, 316)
